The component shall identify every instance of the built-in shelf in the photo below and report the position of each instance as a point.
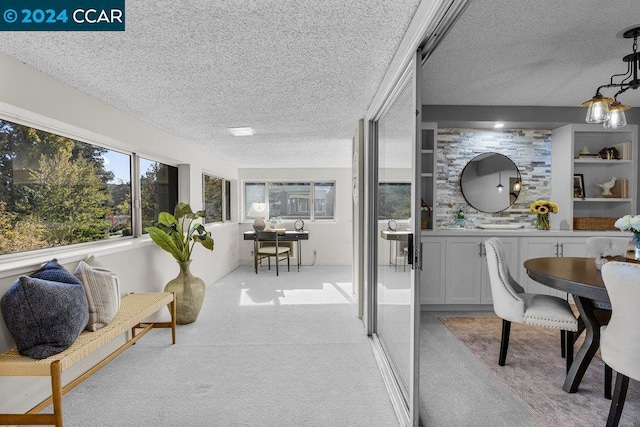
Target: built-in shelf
(603, 161)
(603, 199)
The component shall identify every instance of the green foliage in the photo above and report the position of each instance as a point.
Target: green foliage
(54, 190)
(178, 233)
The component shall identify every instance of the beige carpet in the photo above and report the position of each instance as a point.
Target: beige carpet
(535, 372)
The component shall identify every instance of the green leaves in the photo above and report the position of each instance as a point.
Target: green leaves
(170, 233)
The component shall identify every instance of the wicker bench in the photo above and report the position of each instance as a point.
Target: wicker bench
(134, 309)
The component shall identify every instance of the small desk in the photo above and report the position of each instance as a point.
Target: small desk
(581, 278)
(395, 237)
(288, 236)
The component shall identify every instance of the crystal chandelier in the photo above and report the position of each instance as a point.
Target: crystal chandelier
(609, 111)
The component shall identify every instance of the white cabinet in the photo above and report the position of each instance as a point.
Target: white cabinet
(538, 247)
(432, 276)
(467, 279)
(567, 164)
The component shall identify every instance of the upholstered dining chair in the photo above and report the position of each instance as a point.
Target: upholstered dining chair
(601, 246)
(512, 304)
(273, 249)
(620, 339)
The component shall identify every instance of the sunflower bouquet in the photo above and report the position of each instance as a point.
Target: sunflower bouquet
(542, 209)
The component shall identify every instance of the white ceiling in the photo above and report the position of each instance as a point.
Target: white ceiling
(300, 72)
(522, 53)
(303, 72)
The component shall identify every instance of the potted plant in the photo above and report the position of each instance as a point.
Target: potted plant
(178, 234)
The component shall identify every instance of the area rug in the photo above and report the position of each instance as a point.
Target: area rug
(535, 372)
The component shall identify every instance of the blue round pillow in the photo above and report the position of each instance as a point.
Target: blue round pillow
(45, 312)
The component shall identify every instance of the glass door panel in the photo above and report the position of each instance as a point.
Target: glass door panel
(396, 302)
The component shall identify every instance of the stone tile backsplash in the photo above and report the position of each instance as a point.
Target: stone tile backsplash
(530, 150)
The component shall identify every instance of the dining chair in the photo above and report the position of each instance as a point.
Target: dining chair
(620, 339)
(513, 304)
(272, 249)
(601, 246)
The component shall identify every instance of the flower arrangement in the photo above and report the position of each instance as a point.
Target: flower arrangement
(542, 208)
(628, 223)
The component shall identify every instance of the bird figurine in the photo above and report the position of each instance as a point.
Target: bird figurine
(606, 186)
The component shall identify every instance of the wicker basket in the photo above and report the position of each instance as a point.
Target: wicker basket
(588, 223)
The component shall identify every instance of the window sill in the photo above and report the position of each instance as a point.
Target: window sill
(27, 262)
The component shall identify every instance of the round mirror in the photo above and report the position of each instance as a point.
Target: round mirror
(490, 182)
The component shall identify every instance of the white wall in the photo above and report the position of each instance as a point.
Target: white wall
(331, 239)
(31, 97)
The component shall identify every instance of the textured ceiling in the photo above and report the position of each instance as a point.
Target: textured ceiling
(542, 53)
(301, 73)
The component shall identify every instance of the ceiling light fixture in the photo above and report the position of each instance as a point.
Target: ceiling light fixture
(609, 111)
(498, 125)
(241, 131)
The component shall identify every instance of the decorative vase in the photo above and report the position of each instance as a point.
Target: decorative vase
(542, 222)
(633, 249)
(189, 293)
(259, 224)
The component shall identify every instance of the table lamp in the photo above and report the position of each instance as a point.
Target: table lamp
(259, 211)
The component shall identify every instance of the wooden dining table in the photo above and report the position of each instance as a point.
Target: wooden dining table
(580, 278)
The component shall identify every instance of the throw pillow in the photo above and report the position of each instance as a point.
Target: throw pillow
(103, 292)
(46, 312)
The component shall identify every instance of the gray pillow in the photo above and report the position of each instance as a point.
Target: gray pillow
(45, 312)
(103, 292)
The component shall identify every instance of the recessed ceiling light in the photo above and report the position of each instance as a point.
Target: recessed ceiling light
(498, 125)
(241, 131)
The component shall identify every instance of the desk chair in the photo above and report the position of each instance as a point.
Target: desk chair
(512, 304)
(274, 249)
(620, 339)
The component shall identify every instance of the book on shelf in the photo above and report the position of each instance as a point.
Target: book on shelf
(621, 188)
(624, 150)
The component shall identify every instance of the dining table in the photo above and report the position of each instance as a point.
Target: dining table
(581, 278)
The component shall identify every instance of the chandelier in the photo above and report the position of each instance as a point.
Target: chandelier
(609, 111)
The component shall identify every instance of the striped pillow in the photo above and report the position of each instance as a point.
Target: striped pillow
(103, 292)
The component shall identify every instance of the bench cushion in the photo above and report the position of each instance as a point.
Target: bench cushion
(45, 312)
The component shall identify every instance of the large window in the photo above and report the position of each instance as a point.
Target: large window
(395, 200)
(158, 190)
(292, 200)
(58, 191)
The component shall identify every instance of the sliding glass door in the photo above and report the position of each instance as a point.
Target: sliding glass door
(396, 300)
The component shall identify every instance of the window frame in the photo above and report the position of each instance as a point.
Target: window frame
(267, 186)
(45, 124)
(226, 198)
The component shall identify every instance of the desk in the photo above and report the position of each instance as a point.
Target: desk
(288, 236)
(394, 237)
(580, 278)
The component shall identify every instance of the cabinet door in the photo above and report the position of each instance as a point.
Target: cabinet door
(432, 277)
(464, 270)
(537, 247)
(573, 246)
(513, 261)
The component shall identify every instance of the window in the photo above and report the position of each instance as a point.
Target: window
(395, 200)
(158, 190)
(215, 198)
(292, 200)
(254, 192)
(323, 198)
(58, 191)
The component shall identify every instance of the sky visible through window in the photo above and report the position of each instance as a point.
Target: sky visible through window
(118, 163)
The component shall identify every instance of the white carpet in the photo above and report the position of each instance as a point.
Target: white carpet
(265, 351)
